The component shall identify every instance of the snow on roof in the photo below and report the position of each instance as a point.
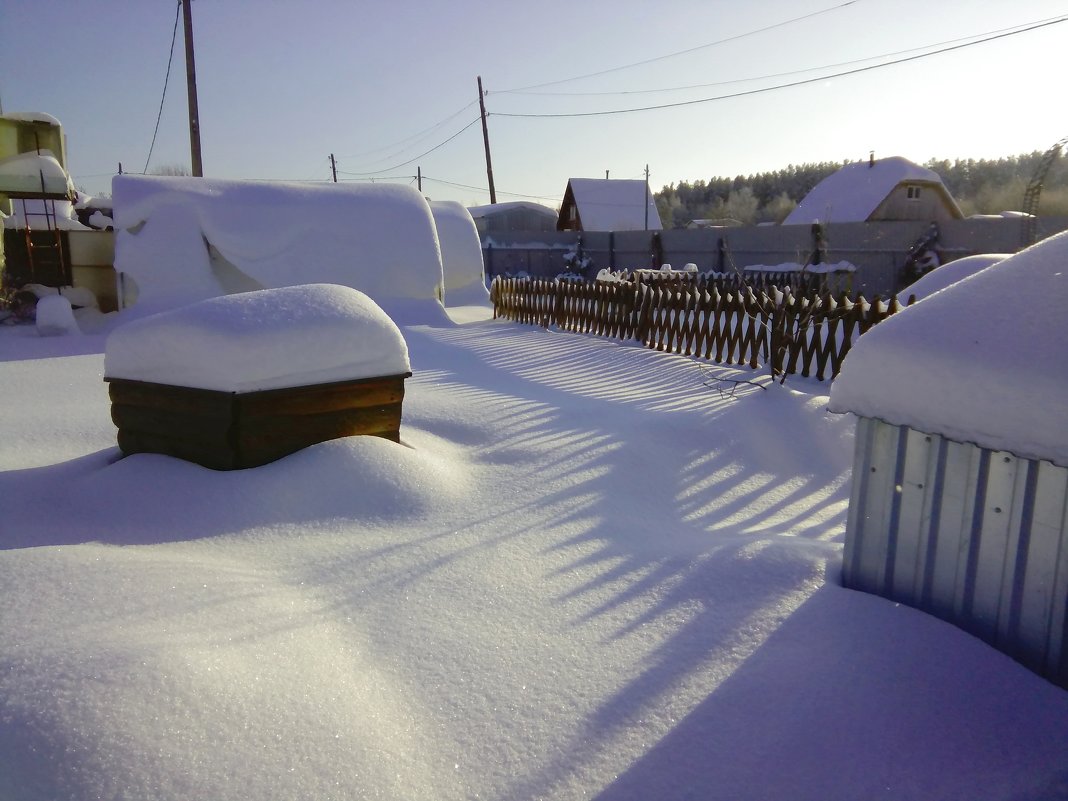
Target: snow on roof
(461, 254)
(377, 238)
(982, 361)
(269, 339)
(614, 205)
(34, 174)
(855, 191)
(948, 274)
(793, 267)
(499, 208)
(31, 116)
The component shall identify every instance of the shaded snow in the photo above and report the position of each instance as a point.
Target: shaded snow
(461, 254)
(948, 274)
(586, 572)
(982, 361)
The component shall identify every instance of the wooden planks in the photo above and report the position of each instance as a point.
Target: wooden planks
(230, 431)
(728, 320)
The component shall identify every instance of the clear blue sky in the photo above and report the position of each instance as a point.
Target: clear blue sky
(284, 84)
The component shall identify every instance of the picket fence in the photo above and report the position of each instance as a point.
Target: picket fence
(727, 320)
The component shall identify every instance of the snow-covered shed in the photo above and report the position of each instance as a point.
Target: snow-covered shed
(518, 215)
(959, 503)
(183, 239)
(888, 189)
(461, 254)
(604, 204)
(241, 380)
(35, 200)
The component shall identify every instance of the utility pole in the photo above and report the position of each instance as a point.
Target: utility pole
(191, 83)
(333, 167)
(646, 197)
(419, 178)
(485, 139)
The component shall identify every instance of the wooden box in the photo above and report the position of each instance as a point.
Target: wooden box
(234, 430)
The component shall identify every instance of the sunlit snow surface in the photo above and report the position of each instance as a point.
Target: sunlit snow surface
(590, 571)
(269, 339)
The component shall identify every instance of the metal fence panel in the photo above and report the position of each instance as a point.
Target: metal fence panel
(974, 536)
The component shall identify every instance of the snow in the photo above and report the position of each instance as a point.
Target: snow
(794, 267)
(615, 205)
(267, 339)
(461, 254)
(981, 361)
(585, 572)
(852, 193)
(32, 116)
(948, 274)
(377, 238)
(589, 569)
(496, 208)
(55, 317)
(27, 173)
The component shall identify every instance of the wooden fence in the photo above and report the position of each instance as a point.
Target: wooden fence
(726, 320)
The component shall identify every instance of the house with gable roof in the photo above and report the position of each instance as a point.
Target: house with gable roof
(889, 189)
(604, 204)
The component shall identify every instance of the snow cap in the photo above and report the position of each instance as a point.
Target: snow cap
(268, 339)
(982, 361)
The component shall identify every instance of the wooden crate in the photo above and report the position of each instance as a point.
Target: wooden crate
(234, 430)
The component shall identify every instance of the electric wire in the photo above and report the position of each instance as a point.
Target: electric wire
(416, 158)
(787, 73)
(789, 85)
(414, 137)
(486, 190)
(679, 52)
(166, 81)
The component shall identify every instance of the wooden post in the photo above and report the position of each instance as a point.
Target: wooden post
(191, 88)
(485, 139)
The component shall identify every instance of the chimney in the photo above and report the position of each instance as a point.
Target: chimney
(871, 159)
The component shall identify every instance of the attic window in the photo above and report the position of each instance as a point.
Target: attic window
(913, 193)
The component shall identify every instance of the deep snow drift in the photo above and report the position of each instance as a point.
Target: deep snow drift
(186, 239)
(591, 570)
(982, 361)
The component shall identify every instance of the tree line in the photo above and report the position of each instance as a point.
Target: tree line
(980, 186)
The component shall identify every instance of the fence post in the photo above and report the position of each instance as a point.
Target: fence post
(643, 303)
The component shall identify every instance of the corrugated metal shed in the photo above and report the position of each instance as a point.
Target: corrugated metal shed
(974, 536)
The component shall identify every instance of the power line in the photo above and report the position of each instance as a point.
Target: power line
(484, 189)
(376, 178)
(680, 52)
(166, 80)
(414, 137)
(1035, 26)
(416, 158)
(1013, 28)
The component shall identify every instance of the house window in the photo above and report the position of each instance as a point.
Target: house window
(913, 193)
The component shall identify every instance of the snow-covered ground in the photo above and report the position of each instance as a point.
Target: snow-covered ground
(585, 573)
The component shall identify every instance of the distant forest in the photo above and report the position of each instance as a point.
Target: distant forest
(983, 186)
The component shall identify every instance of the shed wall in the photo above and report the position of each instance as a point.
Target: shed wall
(976, 537)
